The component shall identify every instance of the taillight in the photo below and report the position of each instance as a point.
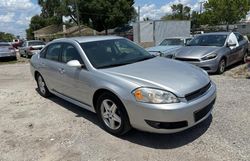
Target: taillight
(31, 48)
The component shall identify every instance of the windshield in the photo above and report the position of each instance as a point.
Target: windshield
(168, 42)
(208, 40)
(111, 53)
(35, 43)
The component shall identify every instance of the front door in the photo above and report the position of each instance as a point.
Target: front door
(76, 81)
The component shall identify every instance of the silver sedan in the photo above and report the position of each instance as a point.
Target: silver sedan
(124, 84)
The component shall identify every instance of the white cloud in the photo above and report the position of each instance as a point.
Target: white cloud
(153, 12)
(16, 15)
(7, 18)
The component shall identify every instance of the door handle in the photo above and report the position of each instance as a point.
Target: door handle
(61, 70)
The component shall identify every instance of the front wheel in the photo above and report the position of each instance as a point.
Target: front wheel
(221, 66)
(244, 60)
(112, 114)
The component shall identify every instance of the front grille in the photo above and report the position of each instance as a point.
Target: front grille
(187, 59)
(198, 115)
(167, 125)
(197, 93)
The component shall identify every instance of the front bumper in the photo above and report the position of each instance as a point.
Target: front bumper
(210, 66)
(172, 117)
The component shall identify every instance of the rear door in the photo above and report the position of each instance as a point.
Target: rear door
(51, 67)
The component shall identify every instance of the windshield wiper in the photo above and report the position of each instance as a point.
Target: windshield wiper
(112, 65)
(146, 58)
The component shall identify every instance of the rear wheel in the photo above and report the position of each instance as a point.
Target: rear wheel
(42, 88)
(112, 114)
(221, 66)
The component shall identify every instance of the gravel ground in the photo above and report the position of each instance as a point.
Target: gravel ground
(34, 128)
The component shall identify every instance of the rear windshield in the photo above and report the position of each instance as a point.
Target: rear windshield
(4, 44)
(34, 43)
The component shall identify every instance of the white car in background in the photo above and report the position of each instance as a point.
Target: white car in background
(168, 46)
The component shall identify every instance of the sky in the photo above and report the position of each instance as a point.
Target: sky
(15, 15)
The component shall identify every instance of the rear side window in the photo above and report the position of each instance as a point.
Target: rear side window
(70, 53)
(53, 52)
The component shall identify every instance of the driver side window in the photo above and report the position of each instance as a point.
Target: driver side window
(70, 53)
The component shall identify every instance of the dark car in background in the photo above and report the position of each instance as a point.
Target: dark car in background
(7, 50)
(214, 51)
(31, 47)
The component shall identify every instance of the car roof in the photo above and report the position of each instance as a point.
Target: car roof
(7, 43)
(178, 38)
(217, 33)
(34, 41)
(89, 38)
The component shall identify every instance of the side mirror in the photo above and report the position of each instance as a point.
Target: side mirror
(231, 44)
(75, 63)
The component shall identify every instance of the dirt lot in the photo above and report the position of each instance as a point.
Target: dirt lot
(34, 128)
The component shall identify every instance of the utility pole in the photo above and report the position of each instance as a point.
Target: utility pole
(77, 16)
(201, 6)
(139, 25)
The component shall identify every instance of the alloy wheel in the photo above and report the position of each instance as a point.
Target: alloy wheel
(41, 85)
(110, 114)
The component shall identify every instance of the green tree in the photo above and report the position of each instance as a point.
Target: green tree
(225, 11)
(6, 36)
(106, 14)
(179, 12)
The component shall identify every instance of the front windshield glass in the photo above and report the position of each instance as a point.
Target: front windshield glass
(116, 52)
(208, 40)
(169, 42)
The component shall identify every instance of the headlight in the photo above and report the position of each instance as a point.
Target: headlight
(210, 56)
(156, 96)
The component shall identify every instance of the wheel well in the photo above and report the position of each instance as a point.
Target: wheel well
(98, 93)
(36, 74)
(225, 58)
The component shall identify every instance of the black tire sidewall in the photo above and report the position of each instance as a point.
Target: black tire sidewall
(125, 125)
(219, 66)
(47, 93)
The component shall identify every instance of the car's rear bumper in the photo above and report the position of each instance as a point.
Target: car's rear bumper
(7, 54)
(30, 53)
(171, 118)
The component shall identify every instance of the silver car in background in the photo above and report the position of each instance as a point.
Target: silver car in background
(167, 47)
(124, 84)
(31, 47)
(7, 51)
(214, 51)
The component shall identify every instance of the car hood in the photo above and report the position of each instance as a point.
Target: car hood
(178, 77)
(163, 49)
(195, 51)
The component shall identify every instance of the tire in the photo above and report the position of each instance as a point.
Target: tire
(42, 87)
(244, 59)
(221, 66)
(112, 114)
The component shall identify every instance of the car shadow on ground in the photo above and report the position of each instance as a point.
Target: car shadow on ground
(152, 140)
